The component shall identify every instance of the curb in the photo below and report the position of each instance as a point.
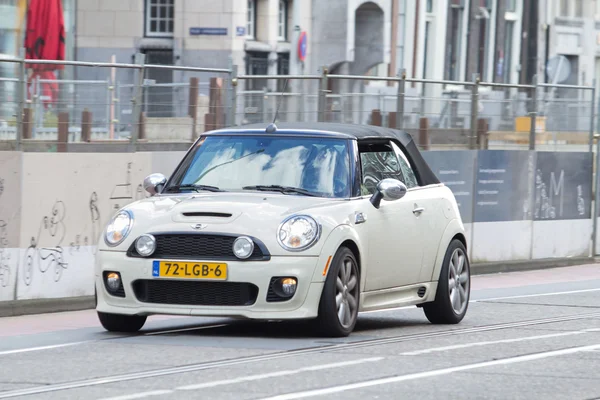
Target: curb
(41, 306)
(15, 308)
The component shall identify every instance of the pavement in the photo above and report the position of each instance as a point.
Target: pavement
(527, 335)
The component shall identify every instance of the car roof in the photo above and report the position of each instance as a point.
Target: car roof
(326, 129)
(357, 132)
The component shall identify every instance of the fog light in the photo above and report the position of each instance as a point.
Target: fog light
(243, 247)
(145, 245)
(113, 281)
(288, 286)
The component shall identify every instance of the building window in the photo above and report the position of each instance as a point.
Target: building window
(511, 6)
(251, 19)
(429, 6)
(508, 42)
(564, 8)
(454, 40)
(282, 20)
(578, 8)
(160, 18)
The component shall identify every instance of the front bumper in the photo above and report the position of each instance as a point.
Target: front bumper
(303, 304)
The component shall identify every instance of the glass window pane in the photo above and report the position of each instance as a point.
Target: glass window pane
(170, 26)
(153, 12)
(579, 8)
(564, 8)
(153, 26)
(429, 6)
(171, 12)
(163, 26)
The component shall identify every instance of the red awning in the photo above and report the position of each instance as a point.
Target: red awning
(45, 37)
(45, 40)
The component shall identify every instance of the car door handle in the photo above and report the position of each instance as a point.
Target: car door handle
(418, 210)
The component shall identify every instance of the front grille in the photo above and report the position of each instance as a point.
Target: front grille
(200, 246)
(193, 293)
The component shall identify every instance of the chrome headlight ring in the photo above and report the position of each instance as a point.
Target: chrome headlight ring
(304, 230)
(120, 226)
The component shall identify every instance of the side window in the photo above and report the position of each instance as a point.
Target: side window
(378, 161)
(410, 179)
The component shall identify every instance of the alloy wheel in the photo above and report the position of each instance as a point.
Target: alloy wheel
(346, 295)
(458, 281)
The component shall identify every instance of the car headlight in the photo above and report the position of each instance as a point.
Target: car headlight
(118, 228)
(243, 247)
(298, 232)
(145, 245)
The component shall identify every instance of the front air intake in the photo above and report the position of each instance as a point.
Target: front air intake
(421, 291)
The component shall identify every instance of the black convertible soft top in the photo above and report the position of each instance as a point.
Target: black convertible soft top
(362, 133)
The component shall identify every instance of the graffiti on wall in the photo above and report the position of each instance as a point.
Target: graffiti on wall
(4, 255)
(52, 229)
(122, 194)
(51, 258)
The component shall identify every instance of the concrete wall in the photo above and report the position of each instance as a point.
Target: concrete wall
(516, 205)
(53, 208)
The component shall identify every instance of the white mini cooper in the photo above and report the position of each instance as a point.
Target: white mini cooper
(315, 221)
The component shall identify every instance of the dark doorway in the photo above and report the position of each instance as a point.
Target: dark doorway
(158, 100)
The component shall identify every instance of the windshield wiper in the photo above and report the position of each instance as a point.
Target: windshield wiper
(197, 188)
(282, 189)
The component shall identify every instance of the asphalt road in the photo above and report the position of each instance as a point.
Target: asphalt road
(527, 335)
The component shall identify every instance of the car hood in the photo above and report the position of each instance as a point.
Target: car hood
(227, 207)
(253, 214)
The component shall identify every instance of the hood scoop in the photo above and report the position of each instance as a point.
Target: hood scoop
(206, 214)
(192, 214)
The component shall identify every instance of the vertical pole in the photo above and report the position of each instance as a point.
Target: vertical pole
(533, 114)
(596, 197)
(322, 94)
(137, 100)
(109, 108)
(592, 118)
(233, 81)
(400, 100)
(21, 98)
(474, 111)
(294, 61)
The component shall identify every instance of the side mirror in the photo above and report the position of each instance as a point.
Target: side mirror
(389, 190)
(154, 183)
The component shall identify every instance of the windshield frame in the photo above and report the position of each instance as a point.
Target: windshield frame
(182, 168)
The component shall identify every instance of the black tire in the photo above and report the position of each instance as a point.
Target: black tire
(328, 323)
(441, 310)
(121, 323)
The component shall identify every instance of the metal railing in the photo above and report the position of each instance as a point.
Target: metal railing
(138, 101)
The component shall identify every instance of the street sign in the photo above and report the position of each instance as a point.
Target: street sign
(302, 43)
(208, 31)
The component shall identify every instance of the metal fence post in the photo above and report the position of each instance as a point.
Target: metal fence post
(136, 115)
(21, 99)
(592, 117)
(533, 114)
(233, 82)
(474, 111)
(400, 100)
(596, 196)
(323, 82)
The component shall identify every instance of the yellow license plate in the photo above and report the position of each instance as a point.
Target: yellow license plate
(192, 270)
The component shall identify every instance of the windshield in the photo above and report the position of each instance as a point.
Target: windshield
(290, 165)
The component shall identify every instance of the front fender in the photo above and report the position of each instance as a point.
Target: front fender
(334, 240)
(453, 228)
